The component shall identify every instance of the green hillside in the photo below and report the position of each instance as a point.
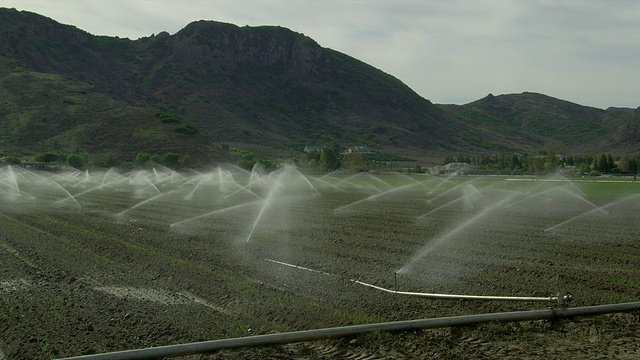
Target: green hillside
(45, 112)
(547, 118)
(263, 89)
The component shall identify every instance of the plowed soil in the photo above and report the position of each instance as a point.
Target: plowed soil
(106, 272)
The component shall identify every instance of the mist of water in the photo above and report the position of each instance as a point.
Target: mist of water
(449, 235)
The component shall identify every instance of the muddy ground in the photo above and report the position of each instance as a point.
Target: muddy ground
(84, 282)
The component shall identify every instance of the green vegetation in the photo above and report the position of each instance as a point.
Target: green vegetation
(182, 128)
(354, 162)
(51, 157)
(522, 164)
(167, 118)
(50, 114)
(76, 161)
(170, 159)
(541, 115)
(329, 160)
(114, 105)
(247, 160)
(186, 129)
(142, 159)
(373, 157)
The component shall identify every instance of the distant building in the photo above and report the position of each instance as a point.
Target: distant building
(40, 165)
(452, 169)
(359, 150)
(310, 148)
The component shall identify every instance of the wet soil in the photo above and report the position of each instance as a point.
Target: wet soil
(87, 281)
(95, 286)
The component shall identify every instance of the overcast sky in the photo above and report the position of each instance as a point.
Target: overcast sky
(583, 51)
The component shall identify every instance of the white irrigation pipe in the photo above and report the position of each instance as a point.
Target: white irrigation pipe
(329, 333)
(297, 267)
(467, 297)
(561, 299)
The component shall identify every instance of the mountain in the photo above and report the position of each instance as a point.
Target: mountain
(265, 89)
(258, 85)
(47, 112)
(544, 119)
(625, 140)
(620, 109)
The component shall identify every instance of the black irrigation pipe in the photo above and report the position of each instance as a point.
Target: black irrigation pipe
(329, 333)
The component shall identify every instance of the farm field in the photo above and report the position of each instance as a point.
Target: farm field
(94, 262)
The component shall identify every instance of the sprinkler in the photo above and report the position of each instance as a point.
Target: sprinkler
(563, 297)
(395, 285)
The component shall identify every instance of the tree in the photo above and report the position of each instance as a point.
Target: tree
(354, 162)
(247, 159)
(611, 164)
(329, 160)
(76, 161)
(85, 157)
(623, 165)
(50, 157)
(142, 159)
(312, 158)
(538, 164)
(604, 162)
(633, 165)
(12, 160)
(268, 164)
(550, 160)
(515, 162)
(186, 161)
(186, 129)
(170, 159)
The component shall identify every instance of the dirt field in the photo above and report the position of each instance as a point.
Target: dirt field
(93, 263)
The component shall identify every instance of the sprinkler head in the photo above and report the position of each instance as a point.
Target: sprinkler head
(568, 297)
(563, 299)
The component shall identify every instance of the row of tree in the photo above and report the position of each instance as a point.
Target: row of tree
(601, 163)
(78, 161)
(332, 158)
(142, 160)
(327, 159)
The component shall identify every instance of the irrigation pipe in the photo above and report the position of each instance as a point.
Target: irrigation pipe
(561, 298)
(329, 333)
(464, 297)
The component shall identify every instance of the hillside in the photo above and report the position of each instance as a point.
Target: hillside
(266, 89)
(267, 83)
(45, 112)
(544, 119)
(625, 140)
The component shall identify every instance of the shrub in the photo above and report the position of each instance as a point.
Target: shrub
(51, 157)
(186, 129)
(186, 161)
(166, 117)
(76, 161)
(170, 159)
(142, 159)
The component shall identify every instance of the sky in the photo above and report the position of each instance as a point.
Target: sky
(450, 52)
